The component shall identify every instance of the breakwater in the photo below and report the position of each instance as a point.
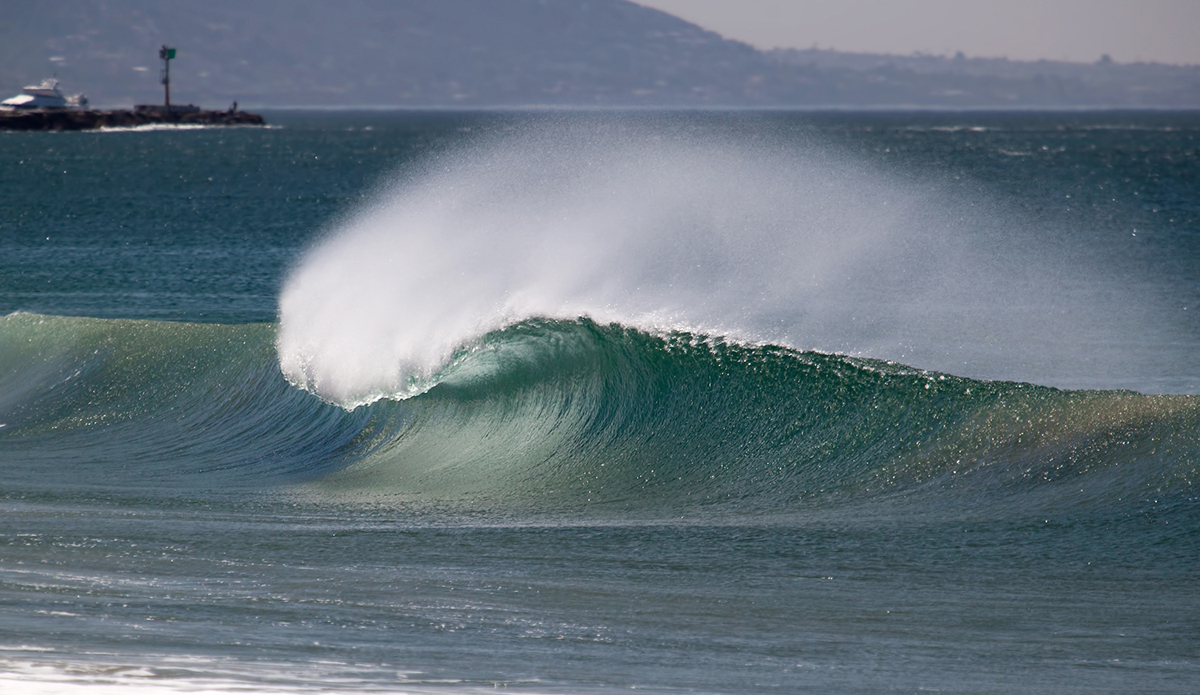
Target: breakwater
(71, 119)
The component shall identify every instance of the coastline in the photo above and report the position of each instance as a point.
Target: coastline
(71, 119)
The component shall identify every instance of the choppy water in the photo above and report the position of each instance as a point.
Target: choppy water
(723, 402)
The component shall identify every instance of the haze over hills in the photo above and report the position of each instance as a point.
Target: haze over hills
(480, 53)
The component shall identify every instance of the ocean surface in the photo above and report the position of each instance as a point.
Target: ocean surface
(591, 402)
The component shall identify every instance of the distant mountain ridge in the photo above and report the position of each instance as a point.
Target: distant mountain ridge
(480, 53)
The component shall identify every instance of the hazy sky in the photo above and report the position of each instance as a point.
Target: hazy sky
(1166, 31)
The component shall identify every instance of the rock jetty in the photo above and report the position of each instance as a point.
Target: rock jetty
(74, 119)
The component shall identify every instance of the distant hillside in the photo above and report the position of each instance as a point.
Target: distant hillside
(357, 53)
(924, 80)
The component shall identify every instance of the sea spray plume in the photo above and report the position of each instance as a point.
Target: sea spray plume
(676, 224)
(634, 225)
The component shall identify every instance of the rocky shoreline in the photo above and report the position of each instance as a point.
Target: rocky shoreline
(72, 119)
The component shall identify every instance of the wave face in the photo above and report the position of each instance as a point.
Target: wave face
(577, 413)
(103, 403)
(551, 414)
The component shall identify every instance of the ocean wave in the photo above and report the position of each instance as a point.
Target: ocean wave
(122, 403)
(554, 414)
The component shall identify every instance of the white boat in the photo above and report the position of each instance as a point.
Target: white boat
(44, 96)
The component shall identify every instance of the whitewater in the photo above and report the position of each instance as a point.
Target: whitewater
(721, 402)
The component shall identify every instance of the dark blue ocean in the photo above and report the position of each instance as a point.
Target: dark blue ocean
(590, 402)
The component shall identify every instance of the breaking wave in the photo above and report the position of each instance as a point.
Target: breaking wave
(572, 414)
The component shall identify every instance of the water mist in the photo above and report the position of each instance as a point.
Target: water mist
(755, 239)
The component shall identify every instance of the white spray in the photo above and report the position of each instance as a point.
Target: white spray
(765, 241)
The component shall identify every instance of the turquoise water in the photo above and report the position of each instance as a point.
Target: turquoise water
(679, 402)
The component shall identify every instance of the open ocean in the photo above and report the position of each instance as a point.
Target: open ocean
(590, 402)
